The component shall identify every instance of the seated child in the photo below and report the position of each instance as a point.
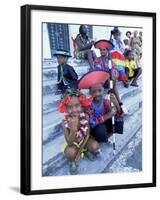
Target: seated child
(76, 129)
(67, 77)
(132, 70)
(102, 63)
(100, 112)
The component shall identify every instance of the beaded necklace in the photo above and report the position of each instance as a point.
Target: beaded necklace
(82, 132)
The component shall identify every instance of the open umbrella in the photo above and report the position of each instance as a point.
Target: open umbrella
(118, 62)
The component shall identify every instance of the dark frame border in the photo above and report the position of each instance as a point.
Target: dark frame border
(25, 182)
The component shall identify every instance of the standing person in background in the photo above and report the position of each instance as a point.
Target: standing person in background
(84, 46)
(140, 38)
(67, 77)
(136, 46)
(115, 38)
(128, 37)
(127, 41)
(127, 46)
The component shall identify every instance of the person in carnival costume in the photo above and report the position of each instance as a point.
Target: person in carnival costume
(67, 77)
(132, 70)
(100, 110)
(76, 129)
(102, 63)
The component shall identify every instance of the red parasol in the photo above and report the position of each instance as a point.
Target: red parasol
(92, 78)
(103, 44)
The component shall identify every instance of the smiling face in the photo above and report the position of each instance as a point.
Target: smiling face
(97, 92)
(104, 52)
(74, 108)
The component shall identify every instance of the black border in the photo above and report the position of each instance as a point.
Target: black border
(25, 187)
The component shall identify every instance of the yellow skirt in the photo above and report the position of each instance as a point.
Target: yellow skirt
(77, 145)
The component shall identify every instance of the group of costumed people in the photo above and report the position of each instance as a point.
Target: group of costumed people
(88, 120)
(124, 61)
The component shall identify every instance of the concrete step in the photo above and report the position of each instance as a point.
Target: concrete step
(49, 70)
(52, 126)
(51, 101)
(52, 62)
(50, 78)
(58, 165)
(49, 73)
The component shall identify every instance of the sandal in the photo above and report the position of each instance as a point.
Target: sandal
(125, 83)
(134, 84)
(73, 168)
(90, 156)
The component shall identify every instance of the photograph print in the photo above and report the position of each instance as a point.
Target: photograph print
(92, 99)
(88, 99)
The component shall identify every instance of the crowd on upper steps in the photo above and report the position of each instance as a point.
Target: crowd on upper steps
(125, 55)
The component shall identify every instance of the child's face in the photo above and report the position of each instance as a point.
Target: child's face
(131, 56)
(103, 52)
(74, 108)
(97, 92)
(61, 59)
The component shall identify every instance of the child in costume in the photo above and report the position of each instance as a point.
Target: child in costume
(132, 70)
(67, 77)
(100, 110)
(102, 63)
(76, 129)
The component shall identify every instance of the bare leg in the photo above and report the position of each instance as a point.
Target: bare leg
(71, 152)
(90, 57)
(134, 82)
(92, 145)
(125, 82)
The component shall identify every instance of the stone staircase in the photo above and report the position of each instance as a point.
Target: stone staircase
(54, 162)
